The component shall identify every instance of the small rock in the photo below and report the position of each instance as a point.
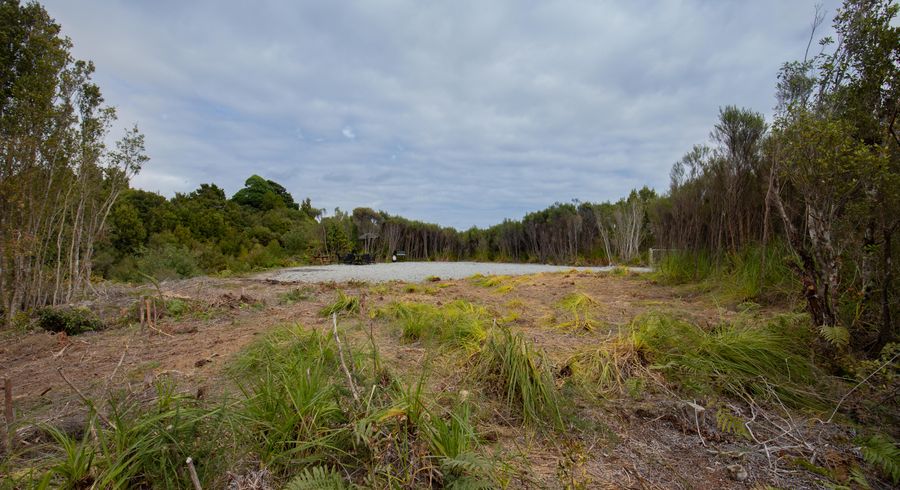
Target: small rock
(737, 472)
(202, 362)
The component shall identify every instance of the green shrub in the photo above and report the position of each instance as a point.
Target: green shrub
(72, 321)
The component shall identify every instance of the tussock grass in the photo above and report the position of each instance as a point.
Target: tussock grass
(343, 304)
(737, 277)
(456, 324)
(609, 370)
(732, 358)
(577, 308)
(145, 446)
(499, 283)
(510, 366)
(416, 288)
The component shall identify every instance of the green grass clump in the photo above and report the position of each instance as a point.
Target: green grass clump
(285, 344)
(456, 324)
(72, 321)
(414, 444)
(737, 277)
(501, 284)
(342, 304)
(296, 295)
(511, 365)
(577, 307)
(144, 445)
(734, 358)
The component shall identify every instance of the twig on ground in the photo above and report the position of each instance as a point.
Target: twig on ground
(337, 340)
(85, 399)
(115, 370)
(10, 414)
(841, 401)
(60, 353)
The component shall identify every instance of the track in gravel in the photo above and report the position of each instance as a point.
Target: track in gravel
(418, 271)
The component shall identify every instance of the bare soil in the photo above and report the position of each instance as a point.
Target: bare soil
(648, 442)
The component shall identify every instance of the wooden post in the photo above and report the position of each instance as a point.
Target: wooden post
(9, 414)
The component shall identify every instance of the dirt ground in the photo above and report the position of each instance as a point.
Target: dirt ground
(640, 444)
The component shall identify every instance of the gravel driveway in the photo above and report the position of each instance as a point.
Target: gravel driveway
(417, 271)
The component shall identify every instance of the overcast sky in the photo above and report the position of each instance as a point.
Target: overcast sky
(460, 113)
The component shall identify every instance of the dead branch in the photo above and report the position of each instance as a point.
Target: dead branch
(193, 471)
(841, 401)
(337, 341)
(10, 414)
(85, 399)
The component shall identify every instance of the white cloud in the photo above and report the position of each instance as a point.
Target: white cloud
(469, 111)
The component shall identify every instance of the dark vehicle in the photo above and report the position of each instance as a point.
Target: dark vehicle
(357, 259)
(398, 256)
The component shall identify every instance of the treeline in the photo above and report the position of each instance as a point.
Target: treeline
(58, 179)
(262, 226)
(824, 179)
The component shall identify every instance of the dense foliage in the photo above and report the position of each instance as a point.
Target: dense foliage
(825, 179)
(58, 179)
(261, 226)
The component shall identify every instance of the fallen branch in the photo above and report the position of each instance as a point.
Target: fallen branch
(10, 414)
(60, 353)
(337, 340)
(841, 401)
(85, 399)
(113, 375)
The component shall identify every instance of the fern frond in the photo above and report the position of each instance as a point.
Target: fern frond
(837, 336)
(882, 452)
(729, 423)
(317, 478)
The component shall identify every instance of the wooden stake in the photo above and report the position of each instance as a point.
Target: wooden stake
(193, 471)
(9, 414)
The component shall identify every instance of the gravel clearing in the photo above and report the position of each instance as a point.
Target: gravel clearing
(418, 271)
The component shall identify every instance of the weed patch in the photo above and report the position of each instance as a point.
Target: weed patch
(297, 295)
